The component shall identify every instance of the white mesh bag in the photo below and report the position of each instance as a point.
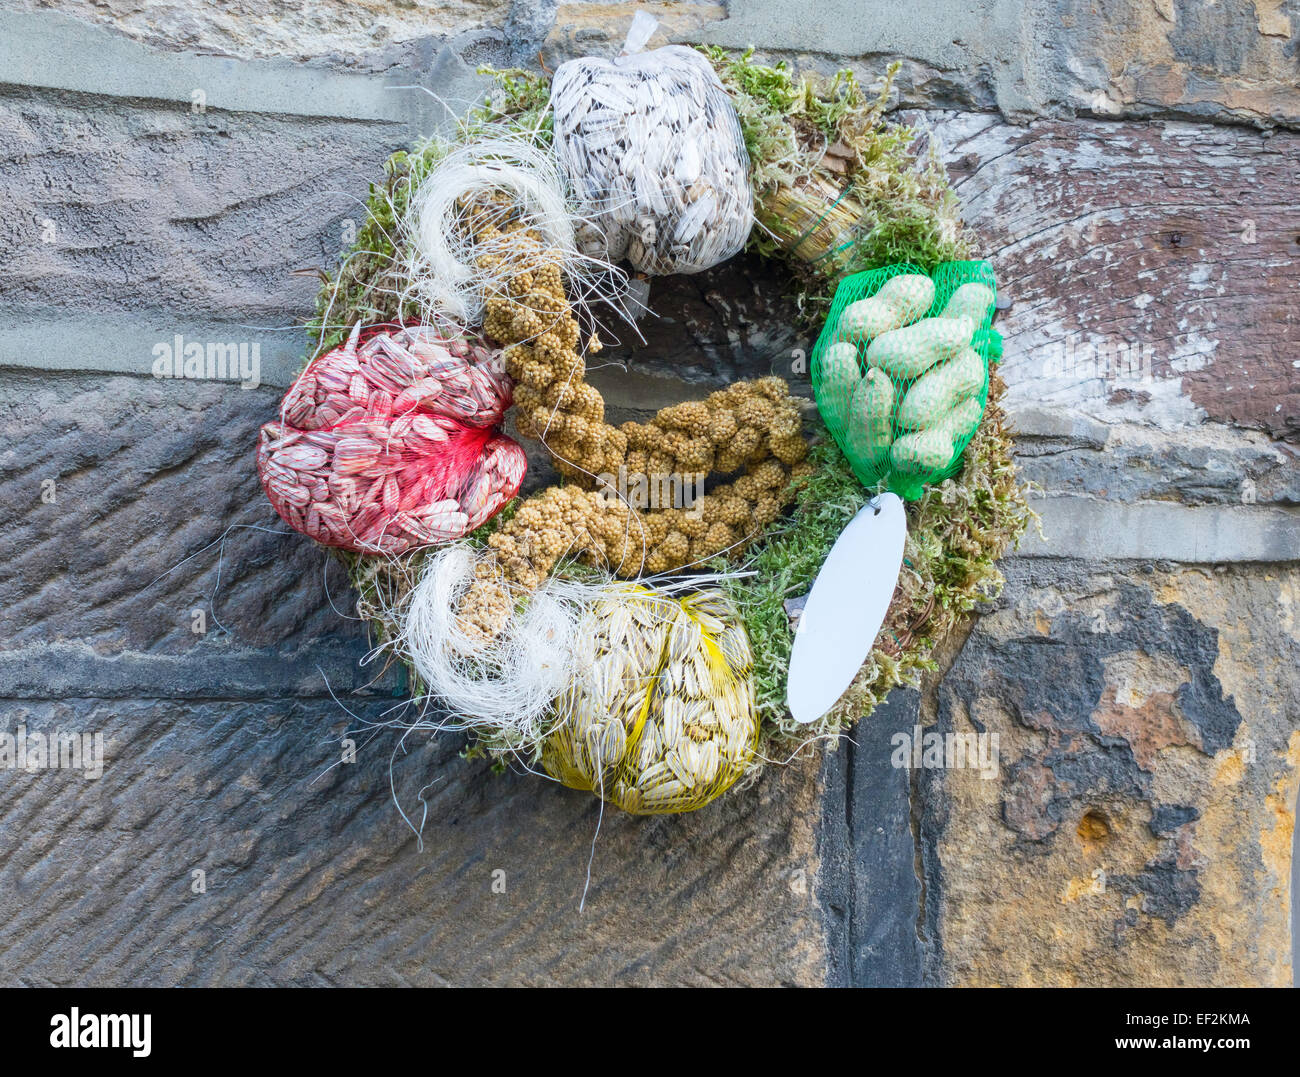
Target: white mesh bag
(652, 151)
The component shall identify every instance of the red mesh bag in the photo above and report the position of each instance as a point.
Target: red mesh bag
(393, 441)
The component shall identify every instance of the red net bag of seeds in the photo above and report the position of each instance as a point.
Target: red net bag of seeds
(393, 441)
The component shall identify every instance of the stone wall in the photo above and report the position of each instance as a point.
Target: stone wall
(178, 169)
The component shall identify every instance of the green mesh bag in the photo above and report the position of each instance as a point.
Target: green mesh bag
(901, 370)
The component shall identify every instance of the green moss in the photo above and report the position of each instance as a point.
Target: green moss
(366, 284)
(786, 119)
(519, 98)
(823, 148)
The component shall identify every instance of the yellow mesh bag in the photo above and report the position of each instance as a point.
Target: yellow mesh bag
(900, 370)
(662, 719)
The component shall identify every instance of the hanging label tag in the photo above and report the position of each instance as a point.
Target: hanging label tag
(846, 607)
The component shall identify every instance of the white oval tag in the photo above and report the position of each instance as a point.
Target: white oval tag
(846, 607)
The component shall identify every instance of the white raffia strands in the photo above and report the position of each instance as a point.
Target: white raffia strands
(448, 276)
(501, 689)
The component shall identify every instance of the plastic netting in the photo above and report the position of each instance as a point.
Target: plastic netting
(900, 371)
(392, 441)
(661, 719)
(654, 156)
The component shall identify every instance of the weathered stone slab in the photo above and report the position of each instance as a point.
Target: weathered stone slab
(35, 50)
(1140, 58)
(120, 491)
(1150, 267)
(156, 210)
(1087, 529)
(370, 36)
(869, 882)
(1139, 827)
(312, 878)
(1207, 465)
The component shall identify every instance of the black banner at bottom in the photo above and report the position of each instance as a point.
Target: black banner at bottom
(338, 1026)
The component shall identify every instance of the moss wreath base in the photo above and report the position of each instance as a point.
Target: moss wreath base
(838, 188)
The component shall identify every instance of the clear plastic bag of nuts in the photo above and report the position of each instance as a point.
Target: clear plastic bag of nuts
(653, 154)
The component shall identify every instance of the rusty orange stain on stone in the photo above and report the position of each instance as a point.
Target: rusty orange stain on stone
(1231, 769)
(1275, 841)
(1080, 886)
(1149, 726)
(1093, 830)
